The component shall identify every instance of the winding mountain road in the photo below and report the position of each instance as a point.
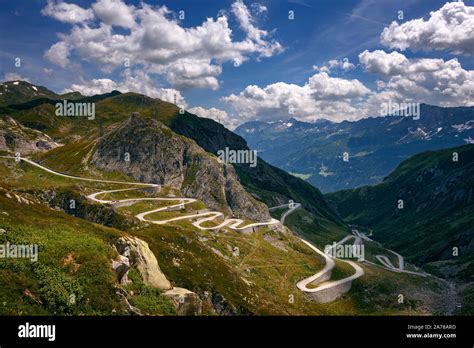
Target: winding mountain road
(232, 223)
(385, 261)
(319, 286)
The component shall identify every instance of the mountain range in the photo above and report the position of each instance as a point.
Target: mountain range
(266, 182)
(165, 147)
(335, 156)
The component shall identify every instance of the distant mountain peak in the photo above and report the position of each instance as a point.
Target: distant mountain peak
(18, 91)
(376, 145)
(159, 155)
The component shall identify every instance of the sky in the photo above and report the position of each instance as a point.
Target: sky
(242, 60)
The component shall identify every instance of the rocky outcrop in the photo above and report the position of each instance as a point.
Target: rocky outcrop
(185, 301)
(77, 205)
(148, 151)
(14, 137)
(134, 252)
(138, 254)
(121, 266)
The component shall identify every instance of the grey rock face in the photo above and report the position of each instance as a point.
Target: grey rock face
(185, 301)
(134, 252)
(148, 151)
(16, 138)
(121, 268)
(138, 254)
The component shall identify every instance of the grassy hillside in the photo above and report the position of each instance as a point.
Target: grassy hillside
(271, 185)
(18, 92)
(260, 279)
(435, 227)
(438, 200)
(268, 184)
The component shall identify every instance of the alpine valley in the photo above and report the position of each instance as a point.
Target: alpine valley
(133, 212)
(374, 146)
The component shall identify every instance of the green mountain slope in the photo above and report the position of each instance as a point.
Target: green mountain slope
(267, 183)
(270, 184)
(438, 200)
(260, 279)
(435, 227)
(18, 92)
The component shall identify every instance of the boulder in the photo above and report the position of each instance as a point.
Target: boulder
(140, 256)
(185, 301)
(121, 267)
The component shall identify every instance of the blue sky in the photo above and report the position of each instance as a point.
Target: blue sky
(320, 32)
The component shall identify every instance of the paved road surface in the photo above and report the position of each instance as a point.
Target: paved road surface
(232, 223)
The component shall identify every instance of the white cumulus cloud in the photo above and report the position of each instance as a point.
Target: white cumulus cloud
(421, 80)
(157, 42)
(325, 87)
(425, 80)
(215, 114)
(59, 54)
(132, 81)
(115, 12)
(383, 63)
(66, 12)
(450, 28)
(322, 96)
